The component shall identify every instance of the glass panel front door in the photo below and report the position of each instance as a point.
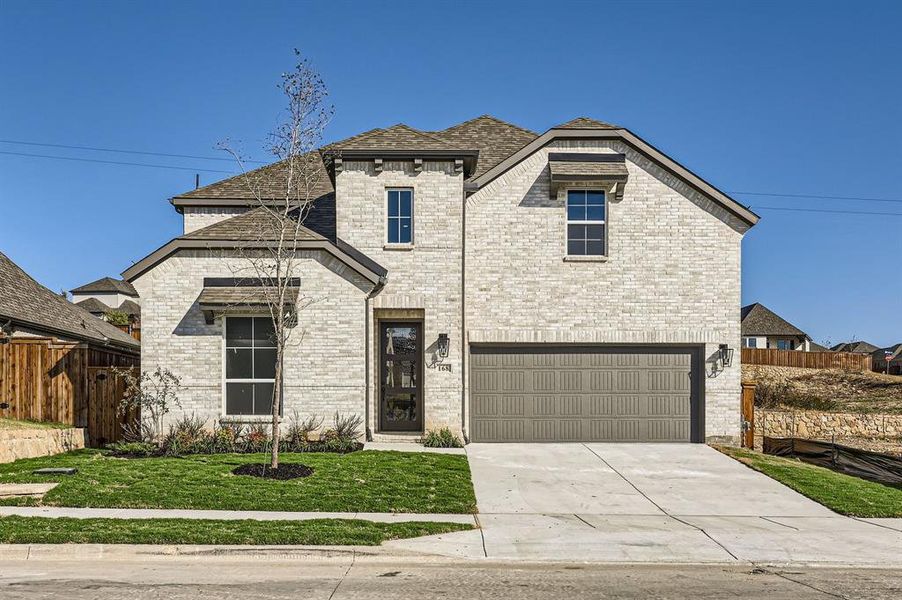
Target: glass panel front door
(400, 366)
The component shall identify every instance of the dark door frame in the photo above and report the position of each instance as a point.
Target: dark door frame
(419, 357)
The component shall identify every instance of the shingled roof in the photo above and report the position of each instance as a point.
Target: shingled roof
(585, 123)
(107, 285)
(30, 305)
(757, 319)
(859, 347)
(495, 139)
(93, 306)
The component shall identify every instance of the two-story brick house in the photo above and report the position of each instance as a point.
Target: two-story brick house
(569, 286)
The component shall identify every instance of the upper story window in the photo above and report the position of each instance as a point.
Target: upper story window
(585, 223)
(250, 365)
(400, 216)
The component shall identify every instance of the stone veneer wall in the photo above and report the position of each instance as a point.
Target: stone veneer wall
(672, 274)
(30, 443)
(821, 425)
(325, 362)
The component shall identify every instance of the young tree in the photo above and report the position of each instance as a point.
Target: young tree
(283, 195)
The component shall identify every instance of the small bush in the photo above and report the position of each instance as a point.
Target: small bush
(133, 449)
(188, 435)
(442, 438)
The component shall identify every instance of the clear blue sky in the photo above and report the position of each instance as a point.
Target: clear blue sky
(783, 97)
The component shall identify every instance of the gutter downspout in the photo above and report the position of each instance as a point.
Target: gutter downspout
(464, 346)
(368, 431)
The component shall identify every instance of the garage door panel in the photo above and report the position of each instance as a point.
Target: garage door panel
(585, 394)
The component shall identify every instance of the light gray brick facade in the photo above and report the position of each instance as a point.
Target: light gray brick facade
(671, 276)
(423, 279)
(324, 364)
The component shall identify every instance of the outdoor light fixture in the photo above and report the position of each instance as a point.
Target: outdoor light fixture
(726, 355)
(443, 345)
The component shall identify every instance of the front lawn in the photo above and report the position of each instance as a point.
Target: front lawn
(40, 530)
(20, 424)
(367, 481)
(841, 493)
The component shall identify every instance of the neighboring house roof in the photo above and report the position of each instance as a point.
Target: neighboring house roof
(895, 352)
(132, 309)
(856, 347)
(93, 306)
(259, 228)
(107, 285)
(30, 305)
(757, 319)
(815, 347)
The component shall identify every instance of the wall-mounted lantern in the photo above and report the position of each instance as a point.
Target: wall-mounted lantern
(444, 344)
(726, 355)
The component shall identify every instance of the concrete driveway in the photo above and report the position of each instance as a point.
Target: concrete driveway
(650, 503)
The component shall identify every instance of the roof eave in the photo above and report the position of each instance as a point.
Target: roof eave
(160, 254)
(636, 143)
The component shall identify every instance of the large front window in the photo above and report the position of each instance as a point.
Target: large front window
(400, 216)
(585, 223)
(250, 365)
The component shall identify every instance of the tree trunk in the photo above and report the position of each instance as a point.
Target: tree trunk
(276, 396)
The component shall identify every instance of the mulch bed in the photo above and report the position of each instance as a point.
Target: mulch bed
(285, 471)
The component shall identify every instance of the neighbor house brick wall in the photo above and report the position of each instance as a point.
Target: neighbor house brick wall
(325, 360)
(672, 275)
(426, 277)
(198, 217)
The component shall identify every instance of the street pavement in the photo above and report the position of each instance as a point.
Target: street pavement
(279, 575)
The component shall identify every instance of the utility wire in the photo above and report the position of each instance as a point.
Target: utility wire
(822, 210)
(93, 149)
(114, 162)
(814, 197)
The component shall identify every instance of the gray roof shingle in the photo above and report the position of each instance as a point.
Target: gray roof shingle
(107, 285)
(93, 306)
(28, 303)
(585, 123)
(757, 319)
(495, 139)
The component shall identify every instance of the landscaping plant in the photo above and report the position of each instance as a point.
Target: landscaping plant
(442, 438)
(153, 393)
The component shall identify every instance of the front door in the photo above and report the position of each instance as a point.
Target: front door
(401, 376)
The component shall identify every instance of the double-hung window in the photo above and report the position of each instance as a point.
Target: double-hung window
(585, 223)
(400, 216)
(250, 365)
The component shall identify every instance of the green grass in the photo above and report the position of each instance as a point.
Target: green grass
(844, 494)
(20, 424)
(366, 481)
(40, 530)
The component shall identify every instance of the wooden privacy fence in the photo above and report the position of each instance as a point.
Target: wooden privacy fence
(42, 379)
(806, 360)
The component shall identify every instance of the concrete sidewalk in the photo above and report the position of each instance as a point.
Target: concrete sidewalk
(227, 515)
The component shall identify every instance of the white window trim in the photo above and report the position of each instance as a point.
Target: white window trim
(399, 245)
(223, 409)
(567, 222)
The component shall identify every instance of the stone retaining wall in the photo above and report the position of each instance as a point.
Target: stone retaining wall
(821, 425)
(29, 443)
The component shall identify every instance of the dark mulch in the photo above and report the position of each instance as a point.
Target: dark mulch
(285, 471)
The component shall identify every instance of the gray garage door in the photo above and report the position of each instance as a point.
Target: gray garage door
(559, 394)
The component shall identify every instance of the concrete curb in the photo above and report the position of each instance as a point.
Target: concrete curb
(332, 555)
(226, 515)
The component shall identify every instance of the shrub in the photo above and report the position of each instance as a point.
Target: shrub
(188, 435)
(442, 438)
(777, 395)
(133, 449)
(347, 428)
